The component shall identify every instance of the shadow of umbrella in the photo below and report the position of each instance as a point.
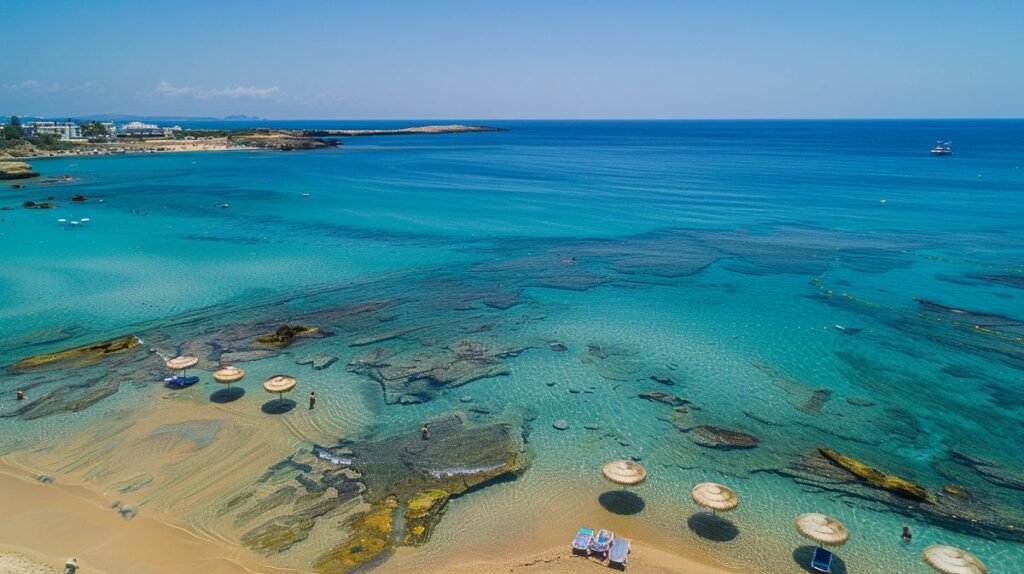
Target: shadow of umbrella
(278, 406)
(803, 555)
(713, 527)
(227, 395)
(621, 502)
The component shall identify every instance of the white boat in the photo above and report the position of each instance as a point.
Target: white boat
(942, 148)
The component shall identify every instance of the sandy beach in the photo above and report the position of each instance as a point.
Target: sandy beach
(51, 522)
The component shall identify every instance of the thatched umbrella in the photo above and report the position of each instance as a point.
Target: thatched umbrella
(822, 529)
(182, 363)
(952, 560)
(227, 375)
(279, 384)
(624, 472)
(715, 496)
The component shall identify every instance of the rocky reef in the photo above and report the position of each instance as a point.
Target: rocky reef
(16, 170)
(711, 436)
(875, 477)
(285, 335)
(975, 514)
(83, 356)
(412, 376)
(281, 140)
(385, 493)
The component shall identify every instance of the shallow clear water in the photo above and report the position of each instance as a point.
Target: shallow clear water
(720, 254)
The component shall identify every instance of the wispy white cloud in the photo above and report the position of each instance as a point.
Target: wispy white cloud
(37, 87)
(168, 90)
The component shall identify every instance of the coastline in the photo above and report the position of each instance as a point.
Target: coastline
(225, 140)
(47, 523)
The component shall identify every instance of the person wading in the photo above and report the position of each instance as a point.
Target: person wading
(312, 399)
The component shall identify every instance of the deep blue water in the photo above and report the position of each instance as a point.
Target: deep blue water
(721, 253)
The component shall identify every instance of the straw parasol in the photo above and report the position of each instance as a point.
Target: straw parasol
(822, 529)
(952, 560)
(715, 496)
(624, 472)
(182, 363)
(227, 375)
(279, 384)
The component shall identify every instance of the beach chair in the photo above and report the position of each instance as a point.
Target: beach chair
(180, 382)
(822, 560)
(602, 542)
(581, 543)
(619, 553)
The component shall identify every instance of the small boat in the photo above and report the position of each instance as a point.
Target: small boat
(942, 148)
(602, 542)
(180, 382)
(847, 330)
(581, 543)
(619, 553)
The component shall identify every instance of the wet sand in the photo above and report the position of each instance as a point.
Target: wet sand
(55, 521)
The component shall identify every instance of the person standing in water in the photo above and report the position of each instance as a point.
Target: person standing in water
(907, 536)
(20, 394)
(425, 432)
(312, 399)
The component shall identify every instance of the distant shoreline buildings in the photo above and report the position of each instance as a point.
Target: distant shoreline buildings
(69, 131)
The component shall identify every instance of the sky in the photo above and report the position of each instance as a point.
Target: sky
(306, 59)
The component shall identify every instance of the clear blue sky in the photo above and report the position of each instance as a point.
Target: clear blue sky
(514, 59)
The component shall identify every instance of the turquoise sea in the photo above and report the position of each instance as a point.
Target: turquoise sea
(808, 283)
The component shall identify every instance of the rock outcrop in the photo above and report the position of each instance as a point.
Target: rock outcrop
(83, 356)
(404, 481)
(285, 335)
(414, 377)
(875, 477)
(721, 438)
(16, 170)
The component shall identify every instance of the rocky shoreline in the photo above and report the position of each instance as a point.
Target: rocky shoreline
(221, 140)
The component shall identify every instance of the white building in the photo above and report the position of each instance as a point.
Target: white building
(139, 129)
(66, 131)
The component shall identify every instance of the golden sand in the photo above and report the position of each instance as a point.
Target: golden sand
(177, 459)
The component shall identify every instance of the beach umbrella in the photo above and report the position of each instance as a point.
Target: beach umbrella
(182, 363)
(227, 375)
(952, 560)
(279, 384)
(822, 529)
(624, 472)
(715, 496)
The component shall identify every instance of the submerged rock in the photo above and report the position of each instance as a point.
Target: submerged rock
(371, 539)
(285, 335)
(723, 439)
(417, 377)
(318, 361)
(664, 380)
(990, 471)
(83, 356)
(816, 402)
(667, 398)
(560, 424)
(875, 477)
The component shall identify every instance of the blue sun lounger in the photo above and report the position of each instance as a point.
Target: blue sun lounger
(179, 382)
(822, 560)
(619, 553)
(581, 543)
(602, 542)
